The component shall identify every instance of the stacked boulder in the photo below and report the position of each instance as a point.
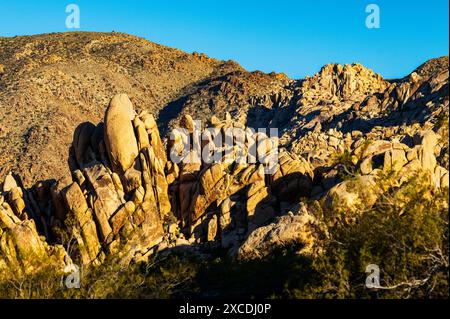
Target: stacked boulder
(116, 203)
(225, 200)
(402, 159)
(131, 195)
(319, 147)
(119, 196)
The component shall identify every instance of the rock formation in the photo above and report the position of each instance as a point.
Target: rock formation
(126, 195)
(22, 249)
(124, 189)
(119, 196)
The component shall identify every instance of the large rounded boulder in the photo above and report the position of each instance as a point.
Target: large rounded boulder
(120, 139)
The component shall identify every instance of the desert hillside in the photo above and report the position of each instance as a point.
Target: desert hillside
(51, 83)
(361, 173)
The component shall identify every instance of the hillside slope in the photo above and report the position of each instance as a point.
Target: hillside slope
(51, 83)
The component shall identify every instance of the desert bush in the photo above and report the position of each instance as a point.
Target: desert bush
(405, 233)
(42, 285)
(164, 278)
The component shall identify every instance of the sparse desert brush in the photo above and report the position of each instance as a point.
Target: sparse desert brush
(405, 233)
(162, 278)
(45, 284)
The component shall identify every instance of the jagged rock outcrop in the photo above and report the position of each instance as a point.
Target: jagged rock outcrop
(373, 161)
(124, 186)
(348, 82)
(374, 158)
(119, 196)
(22, 249)
(116, 202)
(325, 120)
(227, 199)
(124, 193)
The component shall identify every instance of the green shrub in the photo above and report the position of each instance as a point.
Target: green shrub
(405, 233)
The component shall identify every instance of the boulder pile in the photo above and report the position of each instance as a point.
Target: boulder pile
(129, 198)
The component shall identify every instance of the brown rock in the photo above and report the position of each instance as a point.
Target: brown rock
(429, 141)
(187, 122)
(374, 148)
(141, 132)
(286, 232)
(82, 141)
(353, 195)
(366, 166)
(118, 220)
(427, 159)
(9, 183)
(394, 160)
(212, 229)
(88, 241)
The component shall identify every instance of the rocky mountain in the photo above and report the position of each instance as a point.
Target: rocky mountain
(85, 176)
(51, 83)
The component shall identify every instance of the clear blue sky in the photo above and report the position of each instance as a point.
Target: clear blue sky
(296, 37)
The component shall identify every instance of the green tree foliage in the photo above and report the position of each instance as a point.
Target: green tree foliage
(405, 233)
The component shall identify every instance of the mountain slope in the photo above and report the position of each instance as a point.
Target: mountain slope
(51, 83)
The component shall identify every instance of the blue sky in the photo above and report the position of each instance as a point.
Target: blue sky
(296, 37)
